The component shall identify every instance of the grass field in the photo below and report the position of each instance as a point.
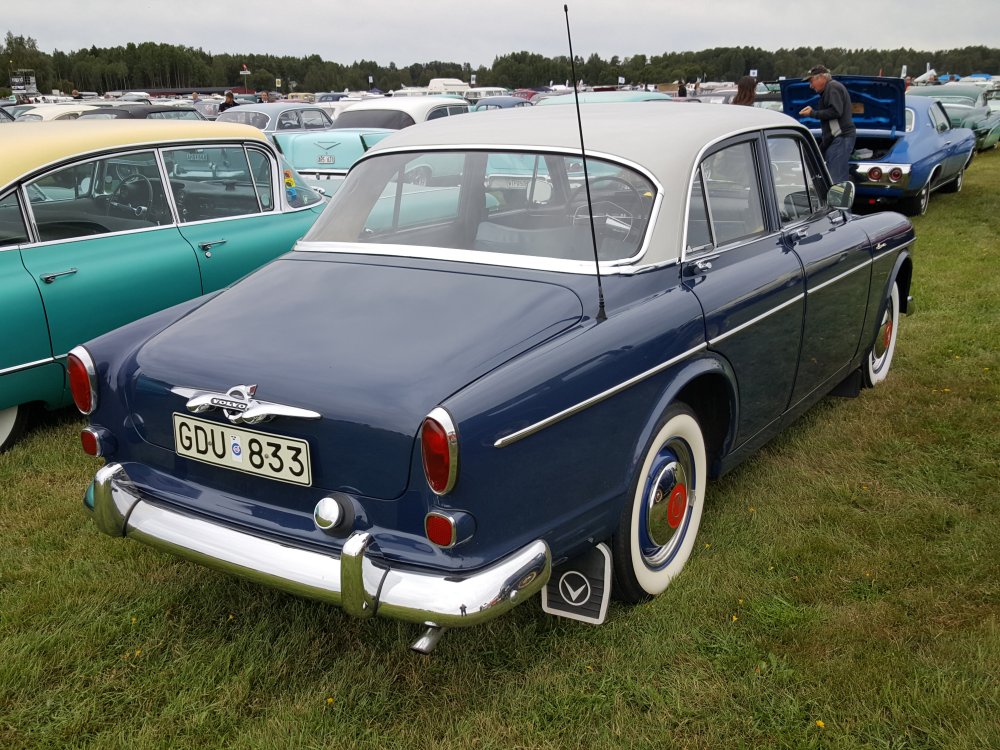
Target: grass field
(845, 593)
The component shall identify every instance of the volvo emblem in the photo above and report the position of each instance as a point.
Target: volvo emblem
(239, 406)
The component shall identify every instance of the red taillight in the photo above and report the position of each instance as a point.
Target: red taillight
(439, 451)
(895, 174)
(88, 438)
(82, 380)
(439, 529)
(875, 174)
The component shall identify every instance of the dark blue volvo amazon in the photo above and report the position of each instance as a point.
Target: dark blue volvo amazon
(434, 408)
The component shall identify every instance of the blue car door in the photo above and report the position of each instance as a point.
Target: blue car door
(747, 280)
(836, 260)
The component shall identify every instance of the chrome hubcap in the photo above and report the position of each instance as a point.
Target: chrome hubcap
(884, 338)
(667, 497)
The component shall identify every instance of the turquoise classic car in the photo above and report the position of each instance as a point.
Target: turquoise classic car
(102, 223)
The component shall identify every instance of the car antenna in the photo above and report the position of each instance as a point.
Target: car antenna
(601, 315)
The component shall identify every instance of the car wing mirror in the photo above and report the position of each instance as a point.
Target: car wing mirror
(841, 195)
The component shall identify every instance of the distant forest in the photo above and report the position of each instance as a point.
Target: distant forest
(166, 66)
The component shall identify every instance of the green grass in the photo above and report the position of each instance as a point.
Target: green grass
(847, 574)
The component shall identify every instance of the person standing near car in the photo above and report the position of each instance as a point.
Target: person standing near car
(229, 103)
(834, 115)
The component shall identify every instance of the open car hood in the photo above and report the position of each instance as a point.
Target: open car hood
(877, 102)
(373, 347)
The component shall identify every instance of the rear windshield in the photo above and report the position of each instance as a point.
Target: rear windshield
(524, 204)
(393, 119)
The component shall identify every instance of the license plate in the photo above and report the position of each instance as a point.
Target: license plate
(262, 453)
(325, 159)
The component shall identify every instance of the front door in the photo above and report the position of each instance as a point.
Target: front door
(107, 252)
(835, 256)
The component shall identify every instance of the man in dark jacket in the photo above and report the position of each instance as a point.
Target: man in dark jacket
(229, 102)
(834, 114)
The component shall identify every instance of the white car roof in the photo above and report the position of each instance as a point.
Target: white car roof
(416, 107)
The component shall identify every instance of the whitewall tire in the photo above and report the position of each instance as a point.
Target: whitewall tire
(13, 420)
(659, 524)
(879, 359)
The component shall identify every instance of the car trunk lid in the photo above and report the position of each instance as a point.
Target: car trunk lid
(371, 347)
(877, 102)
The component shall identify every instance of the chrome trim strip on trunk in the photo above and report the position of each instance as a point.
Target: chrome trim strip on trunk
(577, 408)
(353, 580)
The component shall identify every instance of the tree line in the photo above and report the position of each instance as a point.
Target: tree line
(149, 65)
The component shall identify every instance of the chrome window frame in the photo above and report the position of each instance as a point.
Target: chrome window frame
(25, 222)
(619, 266)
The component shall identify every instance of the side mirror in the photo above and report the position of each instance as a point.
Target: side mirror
(841, 195)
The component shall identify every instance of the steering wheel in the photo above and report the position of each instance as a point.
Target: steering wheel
(608, 215)
(121, 196)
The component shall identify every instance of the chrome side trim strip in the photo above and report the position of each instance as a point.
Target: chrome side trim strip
(351, 579)
(27, 365)
(603, 395)
(837, 278)
(752, 321)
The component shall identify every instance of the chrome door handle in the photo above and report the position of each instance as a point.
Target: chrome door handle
(48, 278)
(206, 246)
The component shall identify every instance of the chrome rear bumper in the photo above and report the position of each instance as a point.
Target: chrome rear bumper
(353, 581)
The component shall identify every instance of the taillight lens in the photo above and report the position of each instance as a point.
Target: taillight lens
(875, 174)
(82, 379)
(440, 529)
(439, 451)
(895, 174)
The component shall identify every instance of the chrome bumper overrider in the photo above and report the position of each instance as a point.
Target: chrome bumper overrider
(352, 580)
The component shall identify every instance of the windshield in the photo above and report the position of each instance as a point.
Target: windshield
(524, 204)
(392, 119)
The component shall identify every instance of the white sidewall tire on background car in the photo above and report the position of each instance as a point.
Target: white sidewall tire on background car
(657, 531)
(13, 420)
(876, 366)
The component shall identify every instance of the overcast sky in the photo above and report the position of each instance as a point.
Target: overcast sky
(408, 31)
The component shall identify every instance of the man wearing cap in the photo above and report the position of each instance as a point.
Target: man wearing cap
(834, 115)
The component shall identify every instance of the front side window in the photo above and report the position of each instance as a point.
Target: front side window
(211, 183)
(12, 230)
(527, 204)
(732, 192)
(118, 193)
(794, 185)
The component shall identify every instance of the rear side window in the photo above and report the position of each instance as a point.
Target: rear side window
(211, 183)
(314, 119)
(732, 193)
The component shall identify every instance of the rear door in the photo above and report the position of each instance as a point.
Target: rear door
(229, 209)
(748, 281)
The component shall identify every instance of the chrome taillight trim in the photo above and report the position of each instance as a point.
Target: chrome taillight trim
(88, 365)
(443, 418)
